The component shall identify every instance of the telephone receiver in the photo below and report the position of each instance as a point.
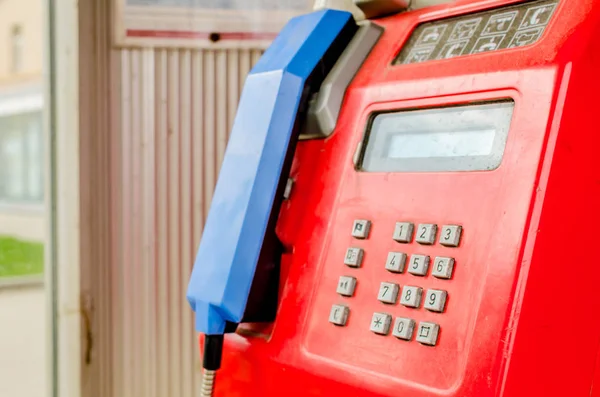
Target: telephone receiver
(294, 92)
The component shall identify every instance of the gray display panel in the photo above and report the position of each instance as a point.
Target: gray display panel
(513, 26)
(459, 138)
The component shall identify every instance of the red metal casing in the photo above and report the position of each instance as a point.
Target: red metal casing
(523, 313)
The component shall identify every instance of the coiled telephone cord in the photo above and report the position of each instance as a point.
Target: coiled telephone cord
(213, 351)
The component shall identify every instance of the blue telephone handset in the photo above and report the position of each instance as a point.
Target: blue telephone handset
(237, 266)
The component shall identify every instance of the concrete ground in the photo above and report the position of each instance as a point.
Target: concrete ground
(22, 341)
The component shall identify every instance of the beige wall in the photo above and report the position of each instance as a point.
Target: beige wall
(28, 14)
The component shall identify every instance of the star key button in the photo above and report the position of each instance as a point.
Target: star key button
(380, 323)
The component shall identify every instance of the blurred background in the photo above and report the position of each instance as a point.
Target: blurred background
(22, 210)
(114, 117)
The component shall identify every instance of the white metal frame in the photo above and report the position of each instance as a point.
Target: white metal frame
(62, 191)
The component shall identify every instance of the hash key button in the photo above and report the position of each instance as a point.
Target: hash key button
(427, 333)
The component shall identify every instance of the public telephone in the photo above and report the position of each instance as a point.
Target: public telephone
(409, 207)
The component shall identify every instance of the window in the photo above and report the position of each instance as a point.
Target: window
(21, 158)
(16, 45)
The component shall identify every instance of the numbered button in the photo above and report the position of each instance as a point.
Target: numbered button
(403, 232)
(419, 264)
(450, 236)
(361, 229)
(388, 293)
(435, 300)
(403, 328)
(426, 233)
(354, 257)
(427, 333)
(411, 296)
(443, 267)
(339, 315)
(346, 286)
(380, 323)
(396, 262)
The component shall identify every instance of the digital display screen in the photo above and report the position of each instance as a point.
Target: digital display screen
(458, 138)
(442, 144)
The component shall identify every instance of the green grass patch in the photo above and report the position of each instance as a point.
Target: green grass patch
(20, 258)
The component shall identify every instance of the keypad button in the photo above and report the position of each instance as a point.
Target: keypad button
(411, 296)
(419, 264)
(443, 267)
(435, 300)
(388, 293)
(403, 328)
(339, 314)
(450, 236)
(346, 286)
(354, 257)
(396, 262)
(427, 333)
(403, 232)
(380, 323)
(426, 233)
(361, 229)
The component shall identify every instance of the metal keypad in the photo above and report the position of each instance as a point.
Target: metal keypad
(346, 286)
(361, 228)
(339, 315)
(403, 232)
(450, 235)
(396, 262)
(427, 333)
(435, 300)
(419, 264)
(380, 323)
(411, 296)
(354, 257)
(426, 233)
(443, 267)
(388, 293)
(403, 328)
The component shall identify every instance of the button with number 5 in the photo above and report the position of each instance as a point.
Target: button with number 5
(450, 235)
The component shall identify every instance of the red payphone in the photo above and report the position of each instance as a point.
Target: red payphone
(441, 241)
